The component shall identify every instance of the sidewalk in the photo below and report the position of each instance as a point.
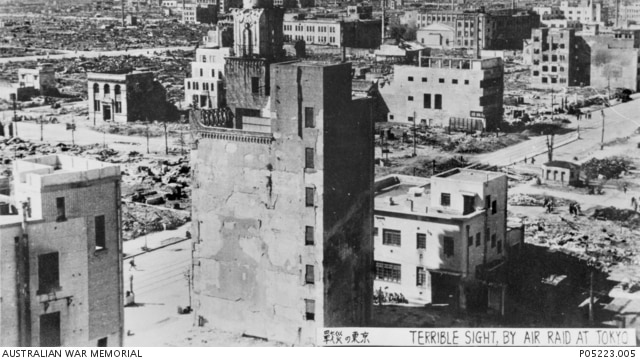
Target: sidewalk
(155, 240)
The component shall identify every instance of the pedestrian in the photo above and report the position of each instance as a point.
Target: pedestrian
(634, 203)
(525, 159)
(578, 210)
(571, 209)
(533, 160)
(132, 264)
(624, 188)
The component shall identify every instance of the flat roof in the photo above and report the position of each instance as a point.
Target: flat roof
(55, 169)
(470, 175)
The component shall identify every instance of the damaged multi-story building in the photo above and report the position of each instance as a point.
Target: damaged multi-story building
(132, 96)
(480, 30)
(455, 93)
(205, 88)
(444, 240)
(282, 182)
(38, 81)
(559, 58)
(61, 278)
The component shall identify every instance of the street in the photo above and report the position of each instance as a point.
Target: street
(160, 287)
(620, 121)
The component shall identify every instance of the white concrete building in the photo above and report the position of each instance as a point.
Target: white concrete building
(586, 11)
(434, 237)
(205, 87)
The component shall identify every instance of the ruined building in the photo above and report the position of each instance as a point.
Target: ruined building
(455, 93)
(61, 276)
(133, 96)
(559, 58)
(282, 210)
(205, 88)
(443, 240)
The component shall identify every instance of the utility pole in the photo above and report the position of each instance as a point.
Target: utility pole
(414, 134)
(147, 123)
(591, 295)
(41, 127)
(15, 113)
(181, 144)
(166, 143)
(602, 137)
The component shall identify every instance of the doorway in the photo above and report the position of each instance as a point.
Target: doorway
(106, 112)
(50, 329)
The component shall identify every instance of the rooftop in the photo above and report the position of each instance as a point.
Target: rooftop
(51, 170)
(469, 175)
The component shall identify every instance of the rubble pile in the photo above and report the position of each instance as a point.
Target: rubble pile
(139, 219)
(535, 200)
(625, 217)
(156, 192)
(85, 35)
(600, 243)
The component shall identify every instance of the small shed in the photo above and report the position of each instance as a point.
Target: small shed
(560, 172)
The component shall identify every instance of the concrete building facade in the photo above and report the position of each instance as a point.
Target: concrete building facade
(585, 11)
(628, 13)
(435, 240)
(133, 96)
(42, 78)
(199, 14)
(205, 88)
(495, 30)
(61, 255)
(615, 60)
(357, 33)
(463, 94)
(559, 58)
(282, 219)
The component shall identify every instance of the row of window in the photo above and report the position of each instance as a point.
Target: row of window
(213, 73)
(311, 39)
(321, 29)
(426, 101)
(440, 80)
(391, 272)
(117, 106)
(553, 80)
(107, 89)
(394, 238)
(196, 86)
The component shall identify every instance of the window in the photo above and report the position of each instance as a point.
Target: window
(410, 78)
(308, 275)
(308, 235)
(50, 329)
(107, 89)
(391, 237)
(424, 79)
(448, 246)
(410, 98)
(466, 82)
(545, 80)
(441, 81)
(201, 72)
(188, 85)
(410, 118)
(427, 101)
(308, 158)
(255, 85)
(100, 232)
(309, 121)
(48, 273)
(478, 239)
(545, 68)
(499, 249)
(309, 194)
(102, 342)
(536, 73)
(454, 81)
(421, 241)
(61, 213)
(438, 102)
(445, 199)
(493, 240)
(421, 277)
(494, 206)
(388, 271)
(554, 69)
(310, 309)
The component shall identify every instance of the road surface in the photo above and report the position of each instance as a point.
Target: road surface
(620, 121)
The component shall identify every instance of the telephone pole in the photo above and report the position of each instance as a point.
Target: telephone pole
(414, 134)
(147, 123)
(602, 137)
(166, 143)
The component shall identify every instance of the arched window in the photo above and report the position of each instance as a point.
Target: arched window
(107, 89)
(116, 90)
(96, 88)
